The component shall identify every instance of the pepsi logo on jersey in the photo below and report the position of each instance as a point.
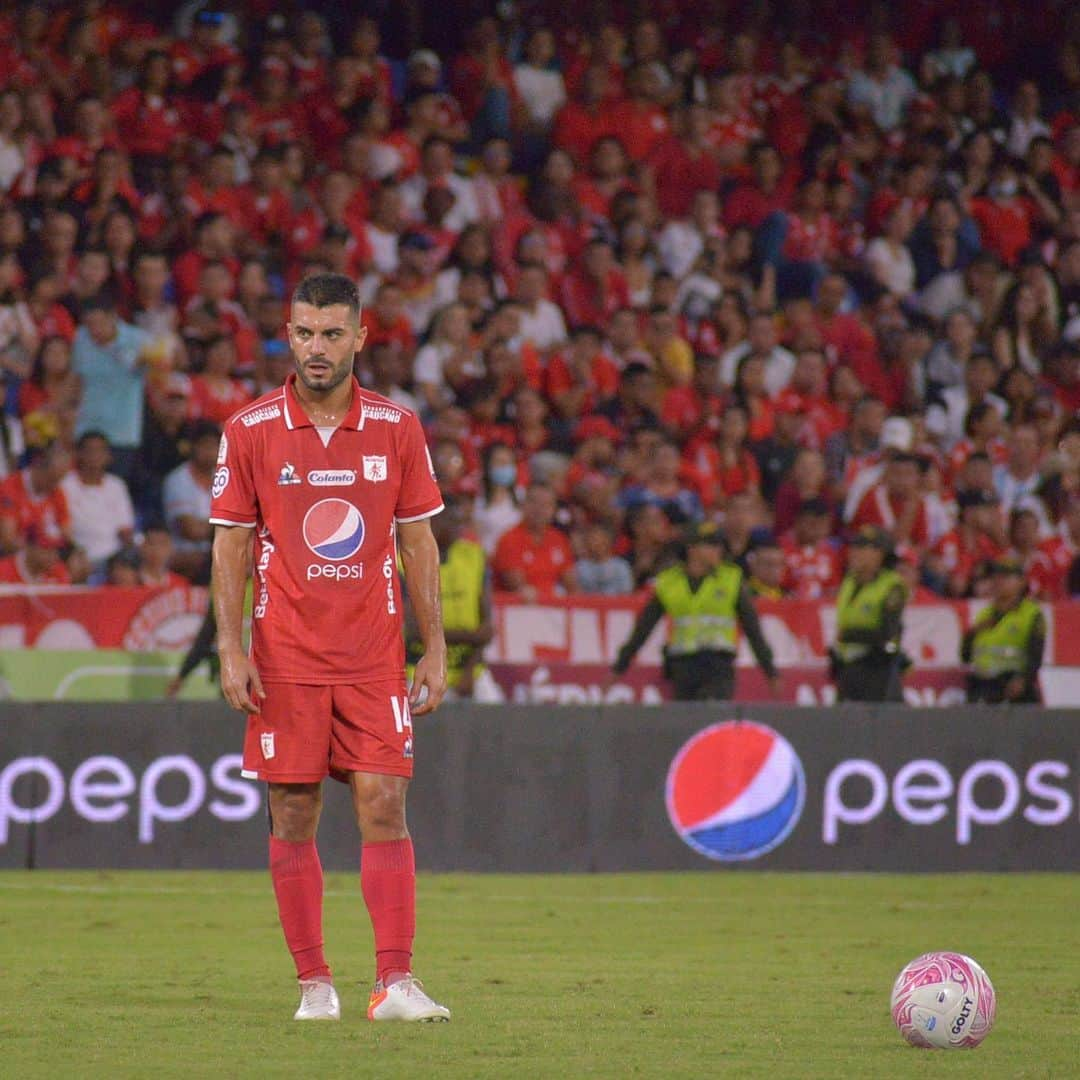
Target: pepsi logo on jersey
(333, 530)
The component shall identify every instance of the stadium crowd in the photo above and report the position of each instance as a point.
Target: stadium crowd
(794, 273)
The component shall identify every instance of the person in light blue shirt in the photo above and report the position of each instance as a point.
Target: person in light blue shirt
(599, 569)
(109, 355)
(883, 90)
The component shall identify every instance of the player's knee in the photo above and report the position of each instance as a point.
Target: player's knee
(294, 812)
(380, 808)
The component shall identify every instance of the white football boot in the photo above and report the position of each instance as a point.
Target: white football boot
(405, 1000)
(318, 1001)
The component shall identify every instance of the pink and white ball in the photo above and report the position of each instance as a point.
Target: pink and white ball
(943, 1001)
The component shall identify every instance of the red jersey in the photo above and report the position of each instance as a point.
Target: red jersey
(328, 606)
(14, 571)
(1048, 570)
(877, 508)
(543, 561)
(813, 570)
(47, 513)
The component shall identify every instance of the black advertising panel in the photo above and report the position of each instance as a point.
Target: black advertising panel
(576, 789)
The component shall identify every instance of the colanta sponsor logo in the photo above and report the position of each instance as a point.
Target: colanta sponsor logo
(331, 477)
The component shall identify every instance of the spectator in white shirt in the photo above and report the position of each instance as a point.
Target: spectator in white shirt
(1026, 123)
(882, 90)
(186, 498)
(542, 321)
(888, 257)
(437, 170)
(102, 516)
(763, 340)
(539, 84)
(1018, 480)
(945, 417)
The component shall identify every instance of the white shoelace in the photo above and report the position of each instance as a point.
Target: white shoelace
(316, 994)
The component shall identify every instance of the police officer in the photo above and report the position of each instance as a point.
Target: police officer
(866, 661)
(466, 600)
(706, 598)
(1004, 647)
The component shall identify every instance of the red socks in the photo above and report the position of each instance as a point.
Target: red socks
(388, 881)
(298, 885)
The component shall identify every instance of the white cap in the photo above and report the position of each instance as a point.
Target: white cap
(425, 56)
(896, 434)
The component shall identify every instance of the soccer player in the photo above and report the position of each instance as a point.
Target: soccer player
(327, 479)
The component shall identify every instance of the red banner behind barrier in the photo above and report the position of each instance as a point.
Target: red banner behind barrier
(579, 630)
(559, 650)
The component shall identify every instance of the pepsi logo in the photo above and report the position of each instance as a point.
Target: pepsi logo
(334, 529)
(735, 791)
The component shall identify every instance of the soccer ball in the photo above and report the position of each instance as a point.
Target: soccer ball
(944, 1001)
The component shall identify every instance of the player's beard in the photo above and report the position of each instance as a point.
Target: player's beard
(323, 384)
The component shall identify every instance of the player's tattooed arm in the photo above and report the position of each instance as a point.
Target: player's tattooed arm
(240, 682)
(420, 561)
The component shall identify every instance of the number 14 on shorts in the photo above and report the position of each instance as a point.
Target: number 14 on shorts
(402, 719)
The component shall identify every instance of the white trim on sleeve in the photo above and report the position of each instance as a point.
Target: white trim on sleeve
(237, 524)
(420, 517)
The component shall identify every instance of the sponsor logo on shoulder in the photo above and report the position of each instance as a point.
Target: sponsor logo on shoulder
(331, 477)
(380, 412)
(257, 416)
(221, 481)
(288, 475)
(223, 449)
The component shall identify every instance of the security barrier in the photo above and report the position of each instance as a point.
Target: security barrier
(571, 789)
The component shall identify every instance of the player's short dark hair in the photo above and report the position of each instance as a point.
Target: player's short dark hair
(328, 290)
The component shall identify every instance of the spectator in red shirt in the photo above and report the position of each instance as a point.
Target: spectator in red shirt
(640, 122)
(214, 242)
(385, 320)
(482, 80)
(53, 387)
(582, 121)
(684, 164)
(897, 503)
(38, 563)
(264, 205)
(752, 203)
(814, 568)
(958, 558)
(1046, 573)
(215, 393)
(596, 289)
(580, 378)
(692, 412)
(534, 558)
(1003, 215)
(151, 124)
(33, 499)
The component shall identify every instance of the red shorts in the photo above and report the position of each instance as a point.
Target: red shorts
(305, 733)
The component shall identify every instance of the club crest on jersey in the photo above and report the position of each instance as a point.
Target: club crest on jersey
(333, 529)
(288, 475)
(375, 467)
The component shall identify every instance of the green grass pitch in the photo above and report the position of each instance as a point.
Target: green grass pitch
(698, 975)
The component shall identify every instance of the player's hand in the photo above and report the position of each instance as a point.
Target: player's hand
(430, 674)
(240, 682)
